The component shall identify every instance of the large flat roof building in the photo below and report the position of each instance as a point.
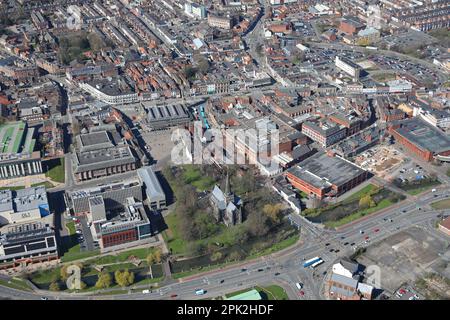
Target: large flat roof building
(17, 155)
(99, 156)
(167, 116)
(26, 228)
(114, 195)
(323, 175)
(422, 139)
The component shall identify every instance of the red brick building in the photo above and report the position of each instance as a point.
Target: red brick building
(324, 175)
(421, 139)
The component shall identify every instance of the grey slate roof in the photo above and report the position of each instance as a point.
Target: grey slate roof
(153, 188)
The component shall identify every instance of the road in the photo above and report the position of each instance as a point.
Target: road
(287, 262)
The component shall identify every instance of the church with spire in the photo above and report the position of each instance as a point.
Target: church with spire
(226, 206)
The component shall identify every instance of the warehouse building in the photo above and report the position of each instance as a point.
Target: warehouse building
(323, 175)
(167, 116)
(422, 139)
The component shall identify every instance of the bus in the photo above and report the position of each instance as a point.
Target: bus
(309, 262)
(315, 264)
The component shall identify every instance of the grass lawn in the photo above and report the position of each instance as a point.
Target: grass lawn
(441, 204)
(56, 172)
(276, 247)
(140, 253)
(193, 176)
(273, 292)
(15, 283)
(198, 270)
(419, 189)
(357, 195)
(46, 184)
(359, 214)
(71, 227)
(13, 188)
(45, 276)
(74, 254)
(171, 236)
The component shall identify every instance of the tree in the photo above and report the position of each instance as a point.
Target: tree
(124, 278)
(151, 259)
(298, 58)
(216, 256)
(235, 255)
(190, 72)
(273, 211)
(54, 286)
(82, 285)
(104, 281)
(366, 202)
(203, 65)
(157, 256)
(257, 224)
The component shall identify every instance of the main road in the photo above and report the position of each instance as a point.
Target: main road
(284, 267)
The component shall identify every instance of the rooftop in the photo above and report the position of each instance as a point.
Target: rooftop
(424, 135)
(248, 295)
(151, 182)
(322, 170)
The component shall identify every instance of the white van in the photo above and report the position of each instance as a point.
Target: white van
(146, 291)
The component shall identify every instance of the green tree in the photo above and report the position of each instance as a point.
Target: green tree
(203, 65)
(190, 72)
(273, 211)
(157, 254)
(83, 285)
(235, 255)
(54, 286)
(124, 278)
(151, 259)
(104, 281)
(216, 256)
(366, 202)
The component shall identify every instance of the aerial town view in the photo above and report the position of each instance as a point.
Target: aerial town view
(225, 150)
